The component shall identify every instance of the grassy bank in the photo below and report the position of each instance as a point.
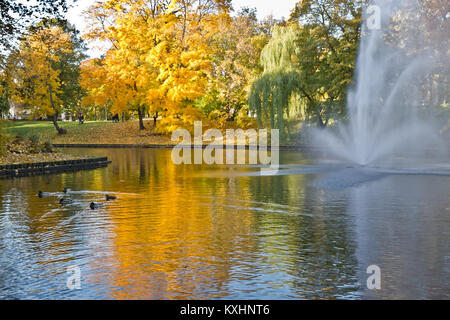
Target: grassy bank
(96, 133)
(99, 132)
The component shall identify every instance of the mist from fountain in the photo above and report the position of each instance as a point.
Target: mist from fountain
(383, 106)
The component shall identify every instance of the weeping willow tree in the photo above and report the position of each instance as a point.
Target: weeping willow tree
(271, 94)
(308, 65)
(270, 97)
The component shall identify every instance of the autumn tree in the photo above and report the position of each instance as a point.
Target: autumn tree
(34, 79)
(159, 53)
(125, 24)
(235, 63)
(68, 63)
(97, 86)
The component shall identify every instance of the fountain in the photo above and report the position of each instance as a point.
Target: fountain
(384, 106)
(391, 126)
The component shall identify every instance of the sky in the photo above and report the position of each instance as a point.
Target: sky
(277, 8)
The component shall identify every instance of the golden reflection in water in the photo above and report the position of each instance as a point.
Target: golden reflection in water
(177, 233)
(174, 233)
(175, 236)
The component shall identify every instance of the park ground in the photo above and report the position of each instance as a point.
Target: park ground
(95, 133)
(32, 141)
(107, 133)
(91, 132)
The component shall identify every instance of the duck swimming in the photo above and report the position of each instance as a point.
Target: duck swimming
(94, 205)
(43, 194)
(109, 198)
(64, 201)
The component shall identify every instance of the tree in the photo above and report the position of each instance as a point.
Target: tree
(68, 63)
(15, 15)
(34, 79)
(160, 54)
(97, 87)
(4, 103)
(235, 63)
(420, 28)
(313, 58)
(4, 97)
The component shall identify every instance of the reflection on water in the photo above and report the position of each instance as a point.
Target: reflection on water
(176, 232)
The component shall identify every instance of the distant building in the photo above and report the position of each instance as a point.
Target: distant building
(17, 112)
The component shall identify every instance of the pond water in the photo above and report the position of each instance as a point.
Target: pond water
(180, 232)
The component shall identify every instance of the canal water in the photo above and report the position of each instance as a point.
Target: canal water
(203, 232)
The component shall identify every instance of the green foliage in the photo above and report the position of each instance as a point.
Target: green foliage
(235, 63)
(210, 102)
(308, 66)
(270, 97)
(280, 52)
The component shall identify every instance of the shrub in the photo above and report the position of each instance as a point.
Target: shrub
(244, 121)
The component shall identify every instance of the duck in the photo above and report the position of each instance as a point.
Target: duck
(65, 201)
(94, 205)
(43, 194)
(109, 198)
(66, 190)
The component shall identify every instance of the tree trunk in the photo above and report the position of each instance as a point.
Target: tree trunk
(155, 118)
(55, 123)
(55, 115)
(322, 124)
(141, 118)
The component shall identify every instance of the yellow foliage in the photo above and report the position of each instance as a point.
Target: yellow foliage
(244, 121)
(34, 81)
(160, 57)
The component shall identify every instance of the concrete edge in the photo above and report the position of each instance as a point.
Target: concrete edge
(41, 168)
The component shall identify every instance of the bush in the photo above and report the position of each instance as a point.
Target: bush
(244, 121)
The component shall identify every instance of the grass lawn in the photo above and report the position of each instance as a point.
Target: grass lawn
(91, 132)
(45, 129)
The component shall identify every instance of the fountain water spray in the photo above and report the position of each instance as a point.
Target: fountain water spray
(393, 65)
